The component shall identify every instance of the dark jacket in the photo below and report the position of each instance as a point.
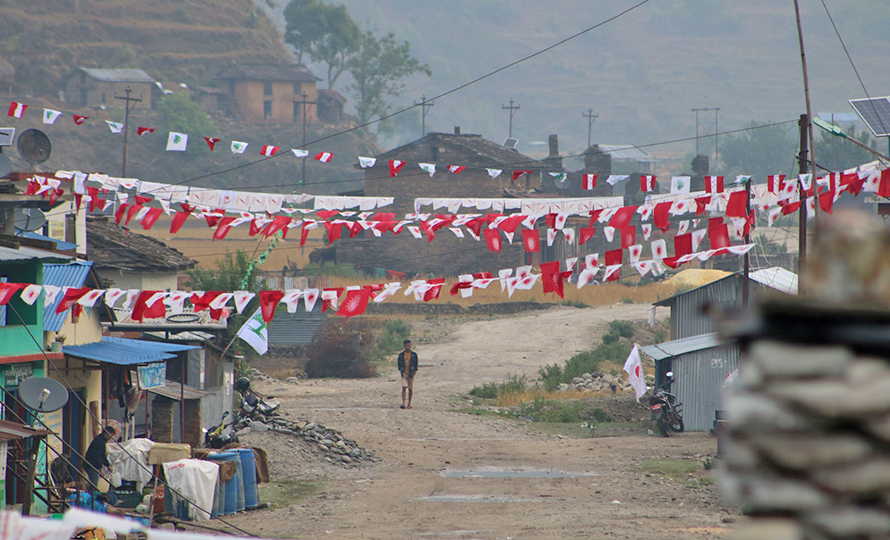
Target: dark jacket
(412, 363)
(95, 455)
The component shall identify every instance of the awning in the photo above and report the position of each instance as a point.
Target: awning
(126, 352)
(60, 244)
(174, 390)
(10, 431)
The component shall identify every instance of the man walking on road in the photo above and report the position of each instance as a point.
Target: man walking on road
(407, 369)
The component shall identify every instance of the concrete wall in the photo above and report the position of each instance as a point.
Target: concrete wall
(75, 85)
(247, 102)
(57, 226)
(17, 339)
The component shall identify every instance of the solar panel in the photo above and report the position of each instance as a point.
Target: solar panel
(511, 142)
(875, 113)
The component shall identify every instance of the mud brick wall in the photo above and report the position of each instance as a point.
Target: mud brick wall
(162, 420)
(192, 433)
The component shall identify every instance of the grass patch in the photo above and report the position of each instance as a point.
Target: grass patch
(562, 411)
(670, 467)
(515, 384)
(584, 362)
(287, 492)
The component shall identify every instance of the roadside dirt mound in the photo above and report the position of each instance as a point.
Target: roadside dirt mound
(621, 407)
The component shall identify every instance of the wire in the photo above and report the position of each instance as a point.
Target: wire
(99, 421)
(443, 94)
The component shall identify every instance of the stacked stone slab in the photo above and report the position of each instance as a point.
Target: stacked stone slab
(329, 442)
(597, 382)
(809, 423)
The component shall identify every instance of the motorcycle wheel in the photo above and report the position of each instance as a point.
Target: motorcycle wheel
(677, 425)
(663, 426)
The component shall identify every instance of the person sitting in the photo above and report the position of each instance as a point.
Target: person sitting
(87, 498)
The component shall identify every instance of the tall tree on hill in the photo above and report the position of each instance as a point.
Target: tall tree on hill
(325, 32)
(301, 29)
(379, 69)
(759, 151)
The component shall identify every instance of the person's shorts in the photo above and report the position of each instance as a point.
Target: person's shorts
(407, 382)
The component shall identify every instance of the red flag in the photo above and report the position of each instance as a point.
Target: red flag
(775, 183)
(682, 244)
(211, 142)
(701, 203)
(179, 219)
(304, 234)
(268, 301)
(585, 234)
(202, 301)
(279, 223)
(790, 208)
(826, 202)
(647, 183)
(884, 186)
(151, 218)
(78, 119)
(661, 214)
(119, 213)
(223, 228)
(531, 240)
(628, 237)
(589, 181)
(509, 225)
(7, 290)
(718, 235)
(493, 239)
(714, 184)
(614, 257)
(324, 157)
(330, 303)
(394, 167)
(517, 174)
(142, 311)
(144, 130)
(355, 303)
(16, 109)
(737, 205)
(268, 150)
(334, 231)
(433, 292)
(456, 169)
(621, 218)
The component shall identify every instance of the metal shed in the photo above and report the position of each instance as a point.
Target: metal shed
(296, 328)
(700, 365)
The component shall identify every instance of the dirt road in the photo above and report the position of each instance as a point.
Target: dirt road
(442, 473)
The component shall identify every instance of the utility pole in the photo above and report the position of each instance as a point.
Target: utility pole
(590, 118)
(127, 99)
(803, 167)
(425, 105)
(512, 110)
(305, 106)
(746, 293)
(716, 112)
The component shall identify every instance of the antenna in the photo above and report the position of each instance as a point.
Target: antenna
(42, 394)
(512, 110)
(34, 146)
(563, 183)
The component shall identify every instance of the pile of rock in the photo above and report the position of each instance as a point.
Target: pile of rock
(598, 382)
(330, 442)
(808, 435)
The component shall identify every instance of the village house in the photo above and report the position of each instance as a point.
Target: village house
(92, 87)
(269, 92)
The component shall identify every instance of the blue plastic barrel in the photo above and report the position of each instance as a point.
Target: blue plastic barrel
(180, 509)
(233, 486)
(248, 468)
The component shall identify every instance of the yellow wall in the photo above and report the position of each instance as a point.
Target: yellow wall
(250, 97)
(55, 225)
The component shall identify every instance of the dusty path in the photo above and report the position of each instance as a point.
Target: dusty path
(408, 494)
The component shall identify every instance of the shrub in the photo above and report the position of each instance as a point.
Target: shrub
(394, 335)
(338, 350)
(584, 362)
(611, 337)
(514, 384)
(623, 328)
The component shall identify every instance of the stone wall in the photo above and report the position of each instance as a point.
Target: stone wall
(162, 420)
(192, 433)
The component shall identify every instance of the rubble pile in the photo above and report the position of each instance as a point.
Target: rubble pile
(329, 442)
(597, 382)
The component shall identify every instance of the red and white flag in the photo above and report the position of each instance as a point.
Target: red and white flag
(211, 141)
(659, 249)
(634, 369)
(493, 239)
(16, 109)
(775, 182)
(589, 181)
(394, 167)
(143, 130)
(268, 150)
(324, 157)
(7, 290)
(78, 119)
(714, 184)
(456, 169)
(531, 240)
(647, 183)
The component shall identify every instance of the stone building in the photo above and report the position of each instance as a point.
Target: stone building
(267, 92)
(89, 87)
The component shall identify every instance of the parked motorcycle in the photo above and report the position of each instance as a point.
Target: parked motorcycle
(665, 409)
(221, 434)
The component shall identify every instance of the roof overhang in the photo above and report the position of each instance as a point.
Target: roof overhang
(126, 352)
(175, 391)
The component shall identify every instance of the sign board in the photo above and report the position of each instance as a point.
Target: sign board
(16, 373)
(152, 375)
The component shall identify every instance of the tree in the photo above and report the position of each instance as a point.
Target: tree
(178, 112)
(340, 38)
(759, 152)
(836, 153)
(301, 28)
(378, 70)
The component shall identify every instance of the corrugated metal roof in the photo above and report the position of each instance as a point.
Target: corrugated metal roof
(628, 152)
(182, 336)
(62, 275)
(776, 278)
(677, 347)
(13, 431)
(126, 352)
(27, 254)
(298, 327)
(173, 390)
(119, 75)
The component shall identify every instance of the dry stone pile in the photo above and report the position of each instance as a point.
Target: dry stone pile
(329, 442)
(598, 382)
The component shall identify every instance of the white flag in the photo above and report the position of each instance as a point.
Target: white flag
(49, 116)
(300, 153)
(115, 127)
(494, 173)
(177, 142)
(634, 368)
(366, 162)
(429, 168)
(239, 147)
(254, 332)
(680, 185)
(615, 178)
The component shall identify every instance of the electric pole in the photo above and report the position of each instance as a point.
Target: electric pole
(590, 118)
(127, 99)
(512, 110)
(425, 105)
(305, 106)
(746, 294)
(803, 167)
(707, 132)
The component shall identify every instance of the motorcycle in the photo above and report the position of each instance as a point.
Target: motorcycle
(665, 409)
(257, 408)
(223, 433)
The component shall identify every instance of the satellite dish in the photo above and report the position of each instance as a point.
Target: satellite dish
(511, 142)
(5, 165)
(34, 146)
(42, 394)
(563, 183)
(29, 219)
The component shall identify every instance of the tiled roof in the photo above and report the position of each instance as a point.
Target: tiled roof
(118, 75)
(480, 152)
(268, 72)
(111, 246)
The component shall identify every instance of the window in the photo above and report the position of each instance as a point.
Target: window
(298, 89)
(267, 109)
(434, 153)
(83, 96)
(267, 89)
(231, 88)
(298, 109)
